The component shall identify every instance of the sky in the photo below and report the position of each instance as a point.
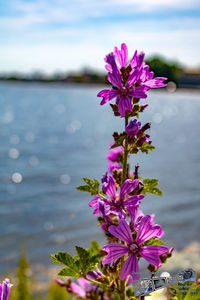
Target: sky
(62, 35)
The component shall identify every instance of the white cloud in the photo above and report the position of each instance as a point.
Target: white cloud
(52, 35)
(154, 5)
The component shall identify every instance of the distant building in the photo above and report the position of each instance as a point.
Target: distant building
(189, 78)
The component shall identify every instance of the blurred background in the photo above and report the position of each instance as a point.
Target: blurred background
(53, 131)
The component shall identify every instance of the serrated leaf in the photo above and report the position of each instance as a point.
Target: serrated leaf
(68, 272)
(88, 180)
(67, 260)
(150, 181)
(97, 184)
(150, 187)
(94, 249)
(84, 258)
(83, 188)
(146, 147)
(153, 241)
(92, 186)
(88, 259)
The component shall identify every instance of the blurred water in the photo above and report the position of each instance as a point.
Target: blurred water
(53, 135)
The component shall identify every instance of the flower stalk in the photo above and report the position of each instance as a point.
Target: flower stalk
(125, 157)
(131, 235)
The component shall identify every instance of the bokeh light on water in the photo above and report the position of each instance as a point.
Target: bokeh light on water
(53, 135)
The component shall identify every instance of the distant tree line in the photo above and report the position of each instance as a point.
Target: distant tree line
(160, 66)
(163, 68)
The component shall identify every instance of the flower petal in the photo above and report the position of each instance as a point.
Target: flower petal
(132, 78)
(122, 231)
(127, 187)
(145, 230)
(133, 61)
(109, 188)
(152, 253)
(115, 79)
(124, 105)
(121, 55)
(156, 82)
(133, 200)
(130, 267)
(113, 166)
(115, 251)
(110, 60)
(77, 290)
(85, 284)
(107, 95)
(94, 275)
(138, 92)
(95, 201)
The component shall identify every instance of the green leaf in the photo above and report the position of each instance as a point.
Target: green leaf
(153, 241)
(150, 181)
(94, 249)
(84, 258)
(119, 141)
(88, 181)
(66, 259)
(88, 259)
(146, 147)
(150, 187)
(68, 272)
(91, 186)
(83, 188)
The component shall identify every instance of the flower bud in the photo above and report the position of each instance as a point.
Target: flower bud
(132, 128)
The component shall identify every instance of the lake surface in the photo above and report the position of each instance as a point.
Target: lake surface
(53, 135)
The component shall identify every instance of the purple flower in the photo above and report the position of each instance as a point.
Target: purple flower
(60, 282)
(116, 202)
(131, 79)
(145, 139)
(113, 166)
(123, 94)
(95, 203)
(5, 288)
(82, 287)
(114, 153)
(132, 128)
(121, 55)
(94, 275)
(136, 217)
(104, 177)
(104, 210)
(133, 247)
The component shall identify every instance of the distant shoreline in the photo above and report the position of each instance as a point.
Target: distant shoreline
(62, 82)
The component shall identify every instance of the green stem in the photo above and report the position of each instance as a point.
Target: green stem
(124, 171)
(124, 174)
(123, 290)
(99, 283)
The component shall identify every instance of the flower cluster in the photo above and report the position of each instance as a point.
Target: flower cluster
(84, 288)
(129, 80)
(131, 235)
(135, 235)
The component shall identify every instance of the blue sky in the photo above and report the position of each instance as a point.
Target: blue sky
(63, 35)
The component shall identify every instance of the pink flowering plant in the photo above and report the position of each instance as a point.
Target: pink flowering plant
(5, 289)
(109, 272)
